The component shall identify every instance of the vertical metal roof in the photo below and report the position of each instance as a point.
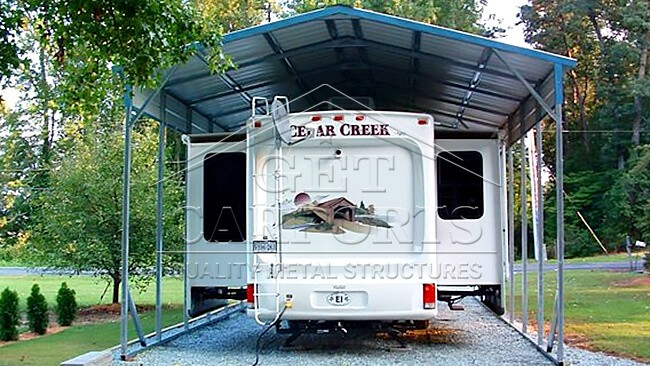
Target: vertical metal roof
(402, 64)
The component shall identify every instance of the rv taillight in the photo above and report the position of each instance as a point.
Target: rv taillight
(429, 296)
(360, 117)
(338, 118)
(250, 293)
(257, 124)
(422, 122)
(315, 118)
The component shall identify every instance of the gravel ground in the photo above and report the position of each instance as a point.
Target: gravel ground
(471, 337)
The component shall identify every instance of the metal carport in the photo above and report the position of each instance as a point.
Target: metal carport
(473, 86)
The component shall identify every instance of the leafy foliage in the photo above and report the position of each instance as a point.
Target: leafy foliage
(606, 104)
(144, 37)
(81, 223)
(462, 14)
(66, 305)
(37, 313)
(235, 14)
(636, 187)
(9, 315)
(10, 23)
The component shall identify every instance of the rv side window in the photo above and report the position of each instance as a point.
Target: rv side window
(460, 185)
(224, 197)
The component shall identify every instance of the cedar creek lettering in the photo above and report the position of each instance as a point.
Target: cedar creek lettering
(345, 130)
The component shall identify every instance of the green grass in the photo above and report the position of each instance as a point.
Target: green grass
(602, 309)
(614, 257)
(52, 349)
(56, 348)
(88, 289)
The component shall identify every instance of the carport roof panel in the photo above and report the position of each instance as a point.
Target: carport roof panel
(353, 13)
(362, 53)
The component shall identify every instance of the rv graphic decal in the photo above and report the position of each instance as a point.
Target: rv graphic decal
(333, 216)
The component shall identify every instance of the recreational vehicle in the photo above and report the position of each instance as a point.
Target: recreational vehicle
(342, 216)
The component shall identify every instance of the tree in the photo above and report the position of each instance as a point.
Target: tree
(66, 305)
(236, 14)
(9, 316)
(144, 37)
(37, 313)
(10, 22)
(67, 52)
(17, 171)
(462, 14)
(80, 222)
(635, 184)
(606, 104)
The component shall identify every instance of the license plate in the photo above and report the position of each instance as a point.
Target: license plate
(265, 246)
(338, 299)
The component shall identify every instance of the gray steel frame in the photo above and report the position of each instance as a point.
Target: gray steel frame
(557, 323)
(554, 113)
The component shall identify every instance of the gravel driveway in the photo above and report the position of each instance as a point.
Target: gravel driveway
(471, 337)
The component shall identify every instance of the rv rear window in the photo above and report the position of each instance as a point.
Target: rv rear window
(460, 185)
(224, 197)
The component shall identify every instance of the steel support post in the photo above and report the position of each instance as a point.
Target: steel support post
(159, 214)
(126, 200)
(524, 236)
(511, 235)
(129, 121)
(541, 326)
(559, 188)
(553, 330)
(185, 282)
(136, 318)
(503, 194)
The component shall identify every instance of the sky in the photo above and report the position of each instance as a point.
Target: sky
(505, 10)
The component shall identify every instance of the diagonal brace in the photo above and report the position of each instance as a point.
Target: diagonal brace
(530, 88)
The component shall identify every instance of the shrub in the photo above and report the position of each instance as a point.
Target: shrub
(37, 313)
(9, 315)
(66, 305)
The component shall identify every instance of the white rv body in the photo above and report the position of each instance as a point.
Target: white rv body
(336, 257)
(474, 243)
(381, 162)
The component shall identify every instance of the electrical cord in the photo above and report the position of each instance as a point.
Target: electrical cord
(259, 338)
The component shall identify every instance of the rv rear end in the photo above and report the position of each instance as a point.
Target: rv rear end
(347, 205)
(360, 216)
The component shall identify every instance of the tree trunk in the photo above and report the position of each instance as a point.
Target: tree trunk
(116, 289)
(44, 94)
(601, 40)
(638, 116)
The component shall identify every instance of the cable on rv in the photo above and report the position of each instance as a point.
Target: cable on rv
(259, 338)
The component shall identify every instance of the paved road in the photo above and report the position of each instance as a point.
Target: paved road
(606, 266)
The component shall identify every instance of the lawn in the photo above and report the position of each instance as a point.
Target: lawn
(56, 348)
(89, 289)
(605, 311)
(52, 349)
(614, 257)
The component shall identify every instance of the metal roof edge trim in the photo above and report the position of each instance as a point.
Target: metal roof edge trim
(399, 22)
